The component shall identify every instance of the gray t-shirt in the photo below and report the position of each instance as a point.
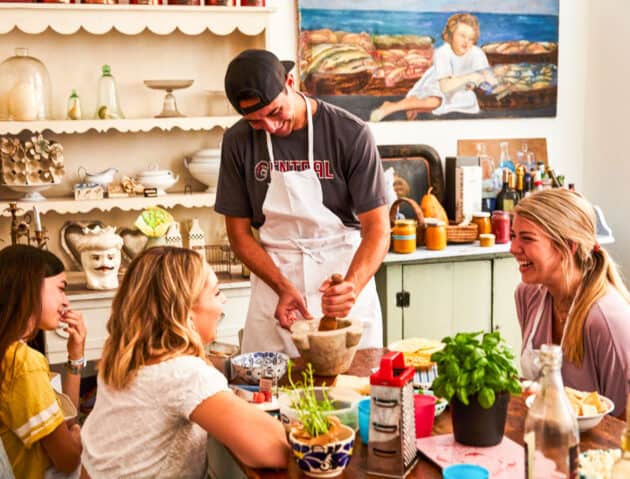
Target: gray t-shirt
(606, 363)
(346, 162)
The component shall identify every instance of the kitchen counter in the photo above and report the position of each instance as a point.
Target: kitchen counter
(605, 435)
(470, 251)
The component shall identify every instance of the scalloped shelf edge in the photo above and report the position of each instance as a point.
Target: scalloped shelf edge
(133, 125)
(68, 19)
(68, 205)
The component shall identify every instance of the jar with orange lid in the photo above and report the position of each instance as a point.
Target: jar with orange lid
(483, 222)
(404, 236)
(434, 234)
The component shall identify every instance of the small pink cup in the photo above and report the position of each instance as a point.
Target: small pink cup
(424, 407)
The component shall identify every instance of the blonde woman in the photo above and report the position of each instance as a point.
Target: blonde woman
(571, 294)
(158, 398)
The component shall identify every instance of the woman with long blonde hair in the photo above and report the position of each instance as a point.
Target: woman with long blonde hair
(571, 294)
(158, 397)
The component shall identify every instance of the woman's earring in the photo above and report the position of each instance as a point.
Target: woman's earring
(191, 323)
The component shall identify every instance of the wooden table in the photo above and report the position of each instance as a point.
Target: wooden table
(606, 434)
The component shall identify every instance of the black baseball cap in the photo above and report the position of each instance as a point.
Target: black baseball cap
(255, 73)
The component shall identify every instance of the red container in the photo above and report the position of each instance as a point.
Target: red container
(501, 226)
(424, 408)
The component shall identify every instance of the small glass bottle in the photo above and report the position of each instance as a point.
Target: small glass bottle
(551, 429)
(73, 110)
(504, 160)
(621, 469)
(107, 106)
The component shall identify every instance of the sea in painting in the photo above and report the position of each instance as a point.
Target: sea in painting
(360, 56)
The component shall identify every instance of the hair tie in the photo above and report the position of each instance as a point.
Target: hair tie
(597, 248)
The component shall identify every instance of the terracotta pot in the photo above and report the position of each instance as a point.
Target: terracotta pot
(476, 426)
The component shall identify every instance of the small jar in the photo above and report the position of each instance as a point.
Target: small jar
(501, 226)
(434, 234)
(486, 240)
(482, 220)
(404, 236)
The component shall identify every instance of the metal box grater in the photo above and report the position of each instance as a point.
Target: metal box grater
(392, 446)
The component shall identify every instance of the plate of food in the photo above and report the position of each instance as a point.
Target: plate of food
(589, 407)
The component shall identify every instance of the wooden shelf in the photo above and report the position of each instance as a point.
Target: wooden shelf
(70, 205)
(128, 125)
(67, 19)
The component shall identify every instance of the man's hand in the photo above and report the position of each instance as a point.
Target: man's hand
(338, 300)
(75, 327)
(290, 303)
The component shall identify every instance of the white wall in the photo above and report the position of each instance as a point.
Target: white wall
(606, 135)
(585, 140)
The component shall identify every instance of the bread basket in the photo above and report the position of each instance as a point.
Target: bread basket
(418, 216)
(461, 234)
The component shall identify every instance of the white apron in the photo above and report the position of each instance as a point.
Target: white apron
(308, 243)
(530, 367)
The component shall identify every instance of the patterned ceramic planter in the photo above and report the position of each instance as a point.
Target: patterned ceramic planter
(326, 460)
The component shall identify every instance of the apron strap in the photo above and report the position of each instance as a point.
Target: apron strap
(309, 133)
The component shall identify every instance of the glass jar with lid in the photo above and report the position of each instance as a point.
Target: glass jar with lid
(434, 234)
(24, 88)
(501, 226)
(482, 220)
(404, 236)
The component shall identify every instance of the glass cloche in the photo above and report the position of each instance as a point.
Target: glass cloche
(24, 88)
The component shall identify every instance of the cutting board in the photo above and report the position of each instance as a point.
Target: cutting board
(506, 460)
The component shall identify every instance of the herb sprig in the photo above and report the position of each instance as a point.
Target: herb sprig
(310, 410)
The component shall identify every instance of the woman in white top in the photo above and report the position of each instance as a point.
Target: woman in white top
(445, 86)
(158, 397)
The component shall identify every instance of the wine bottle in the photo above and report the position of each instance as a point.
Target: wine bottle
(507, 197)
(551, 429)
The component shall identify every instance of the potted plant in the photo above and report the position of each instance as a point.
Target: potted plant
(321, 445)
(477, 375)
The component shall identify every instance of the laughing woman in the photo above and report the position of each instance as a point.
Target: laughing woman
(571, 294)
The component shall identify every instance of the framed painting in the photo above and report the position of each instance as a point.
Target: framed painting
(431, 59)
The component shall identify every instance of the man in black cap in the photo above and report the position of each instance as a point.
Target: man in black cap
(308, 177)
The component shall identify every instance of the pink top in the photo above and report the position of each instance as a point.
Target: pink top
(606, 364)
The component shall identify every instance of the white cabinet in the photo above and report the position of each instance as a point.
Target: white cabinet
(439, 297)
(95, 306)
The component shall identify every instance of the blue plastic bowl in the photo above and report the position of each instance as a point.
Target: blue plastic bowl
(465, 471)
(364, 419)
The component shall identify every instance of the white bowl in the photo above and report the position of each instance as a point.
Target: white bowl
(32, 191)
(159, 182)
(585, 422)
(208, 153)
(204, 171)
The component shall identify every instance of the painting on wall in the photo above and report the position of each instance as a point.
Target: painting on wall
(431, 59)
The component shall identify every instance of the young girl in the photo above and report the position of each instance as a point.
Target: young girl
(32, 427)
(445, 85)
(158, 397)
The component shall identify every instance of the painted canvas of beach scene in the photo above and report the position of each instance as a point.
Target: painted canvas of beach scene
(431, 59)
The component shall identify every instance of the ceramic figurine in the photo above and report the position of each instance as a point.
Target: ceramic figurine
(173, 236)
(197, 238)
(100, 256)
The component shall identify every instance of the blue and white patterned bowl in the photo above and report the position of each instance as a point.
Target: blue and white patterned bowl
(327, 460)
(250, 367)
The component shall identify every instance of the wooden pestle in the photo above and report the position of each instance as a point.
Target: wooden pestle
(329, 323)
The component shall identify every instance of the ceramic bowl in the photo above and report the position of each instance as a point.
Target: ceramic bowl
(585, 422)
(250, 367)
(204, 170)
(345, 410)
(158, 179)
(327, 460)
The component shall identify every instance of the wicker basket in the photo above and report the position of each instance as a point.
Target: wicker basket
(461, 234)
(419, 217)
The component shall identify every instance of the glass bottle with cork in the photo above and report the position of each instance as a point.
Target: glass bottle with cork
(551, 430)
(621, 469)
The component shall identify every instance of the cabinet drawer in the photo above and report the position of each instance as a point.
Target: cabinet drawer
(235, 310)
